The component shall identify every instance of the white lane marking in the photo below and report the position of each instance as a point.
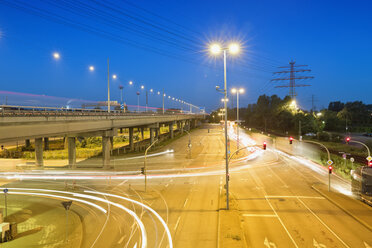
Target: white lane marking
(260, 215)
(121, 240)
(293, 196)
(123, 182)
(324, 224)
(178, 221)
(281, 222)
(318, 245)
(269, 244)
(185, 202)
(367, 245)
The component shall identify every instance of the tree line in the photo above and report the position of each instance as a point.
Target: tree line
(272, 113)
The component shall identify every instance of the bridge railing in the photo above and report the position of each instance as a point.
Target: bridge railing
(14, 110)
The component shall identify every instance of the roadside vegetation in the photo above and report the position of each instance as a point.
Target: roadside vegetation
(85, 147)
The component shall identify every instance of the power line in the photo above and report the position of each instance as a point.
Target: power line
(292, 77)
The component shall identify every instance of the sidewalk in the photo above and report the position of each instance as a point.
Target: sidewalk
(359, 211)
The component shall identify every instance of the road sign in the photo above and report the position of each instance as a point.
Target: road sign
(5, 191)
(67, 204)
(352, 160)
(344, 155)
(329, 162)
(369, 158)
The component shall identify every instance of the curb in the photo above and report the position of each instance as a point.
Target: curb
(343, 209)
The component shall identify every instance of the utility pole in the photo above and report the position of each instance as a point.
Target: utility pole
(292, 78)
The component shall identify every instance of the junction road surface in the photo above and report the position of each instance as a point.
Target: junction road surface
(273, 192)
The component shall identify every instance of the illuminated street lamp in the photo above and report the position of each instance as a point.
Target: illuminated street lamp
(114, 76)
(56, 55)
(130, 83)
(216, 49)
(91, 68)
(237, 91)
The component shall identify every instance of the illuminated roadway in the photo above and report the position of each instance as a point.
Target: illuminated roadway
(273, 193)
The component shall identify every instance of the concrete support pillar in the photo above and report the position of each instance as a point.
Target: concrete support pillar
(131, 141)
(121, 130)
(181, 126)
(46, 143)
(171, 133)
(27, 143)
(152, 135)
(111, 143)
(65, 146)
(142, 133)
(157, 133)
(71, 152)
(106, 152)
(39, 152)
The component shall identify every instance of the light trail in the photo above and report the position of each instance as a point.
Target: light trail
(56, 196)
(151, 155)
(142, 205)
(130, 212)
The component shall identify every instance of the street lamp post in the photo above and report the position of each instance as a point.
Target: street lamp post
(237, 91)
(108, 85)
(163, 101)
(121, 87)
(138, 96)
(216, 49)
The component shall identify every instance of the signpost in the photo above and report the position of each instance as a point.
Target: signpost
(66, 205)
(6, 201)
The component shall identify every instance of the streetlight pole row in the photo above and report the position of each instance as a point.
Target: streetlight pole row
(57, 56)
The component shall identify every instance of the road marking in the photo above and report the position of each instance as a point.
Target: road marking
(367, 245)
(166, 185)
(281, 222)
(329, 229)
(135, 245)
(269, 244)
(317, 245)
(260, 215)
(123, 182)
(178, 221)
(185, 202)
(121, 240)
(293, 196)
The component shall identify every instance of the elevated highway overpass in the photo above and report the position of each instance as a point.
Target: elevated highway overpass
(26, 124)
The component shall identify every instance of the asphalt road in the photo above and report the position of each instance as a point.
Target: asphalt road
(273, 194)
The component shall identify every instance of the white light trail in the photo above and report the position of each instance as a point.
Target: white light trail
(130, 212)
(57, 196)
(142, 205)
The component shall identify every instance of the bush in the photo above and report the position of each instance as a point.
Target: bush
(324, 136)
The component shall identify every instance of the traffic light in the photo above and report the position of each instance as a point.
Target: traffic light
(370, 163)
(142, 170)
(264, 145)
(347, 140)
(330, 168)
(290, 140)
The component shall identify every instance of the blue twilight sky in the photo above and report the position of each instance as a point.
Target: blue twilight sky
(162, 45)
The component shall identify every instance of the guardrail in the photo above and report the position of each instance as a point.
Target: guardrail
(22, 111)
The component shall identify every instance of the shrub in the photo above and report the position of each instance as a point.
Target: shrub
(323, 136)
